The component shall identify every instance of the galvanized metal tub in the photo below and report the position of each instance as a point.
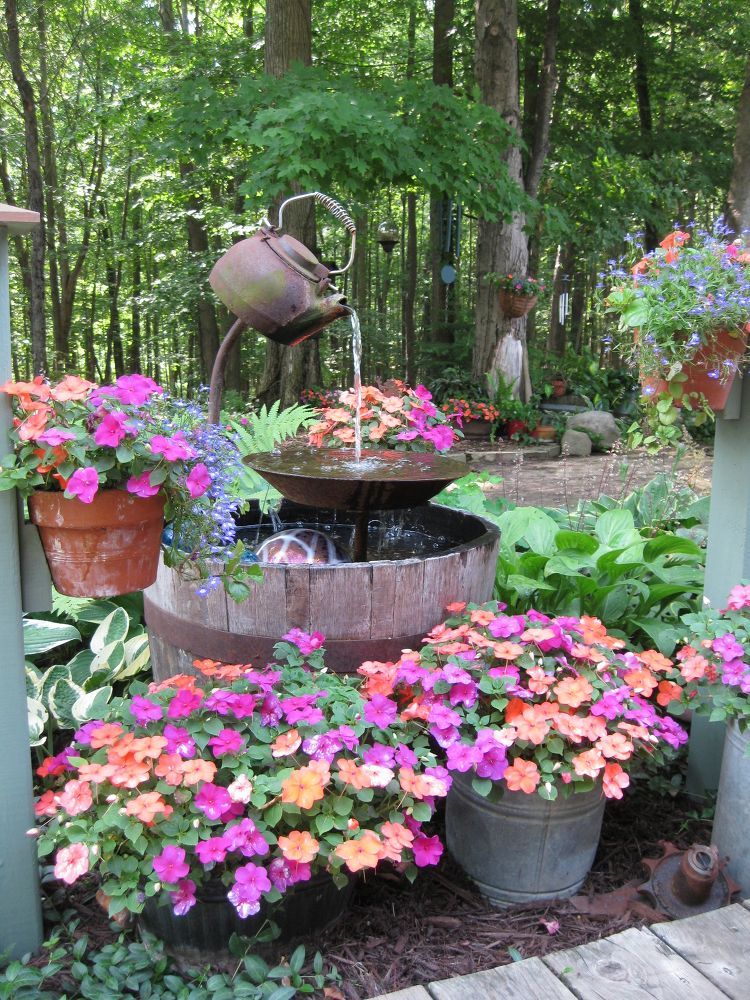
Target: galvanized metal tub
(732, 820)
(521, 848)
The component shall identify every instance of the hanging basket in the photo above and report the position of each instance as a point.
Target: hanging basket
(515, 306)
(99, 549)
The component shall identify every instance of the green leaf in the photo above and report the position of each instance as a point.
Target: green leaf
(41, 636)
(37, 715)
(482, 786)
(62, 698)
(114, 628)
(110, 658)
(616, 529)
(92, 705)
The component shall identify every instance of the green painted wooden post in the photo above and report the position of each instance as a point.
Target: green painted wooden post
(727, 560)
(20, 909)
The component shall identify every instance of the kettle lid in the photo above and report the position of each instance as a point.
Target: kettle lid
(300, 257)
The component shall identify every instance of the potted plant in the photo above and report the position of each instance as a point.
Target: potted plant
(684, 310)
(397, 417)
(475, 417)
(218, 797)
(540, 720)
(518, 293)
(712, 677)
(102, 466)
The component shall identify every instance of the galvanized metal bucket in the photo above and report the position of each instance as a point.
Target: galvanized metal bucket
(732, 820)
(523, 849)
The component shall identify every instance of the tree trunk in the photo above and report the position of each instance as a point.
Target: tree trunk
(36, 193)
(410, 289)
(440, 332)
(134, 358)
(643, 100)
(288, 39)
(502, 248)
(738, 199)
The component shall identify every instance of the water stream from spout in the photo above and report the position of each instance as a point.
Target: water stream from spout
(357, 365)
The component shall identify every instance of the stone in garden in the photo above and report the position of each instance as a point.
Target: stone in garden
(598, 424)
(576, 444)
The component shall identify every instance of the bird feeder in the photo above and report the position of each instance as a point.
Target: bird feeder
(387, 235)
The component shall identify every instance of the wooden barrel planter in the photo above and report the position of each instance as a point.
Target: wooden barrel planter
(366, 611)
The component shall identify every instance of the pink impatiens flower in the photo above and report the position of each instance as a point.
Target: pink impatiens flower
(111, 430)
(172, 448)
(141, 485)
(170, 865)
(183, 898)
(212, 800)
(83, 484)
(198, 480)
(427, 851)
(71, 862)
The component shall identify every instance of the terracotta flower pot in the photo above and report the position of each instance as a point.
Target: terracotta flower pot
(724, 347)
(514, 306)
(477, 429)
(544, 432)
(515, 427)
(99, 549)
(559, 387)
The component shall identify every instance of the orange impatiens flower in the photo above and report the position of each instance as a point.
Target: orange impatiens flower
(147, 807)
(71, 387)
(693, 667)
(353, 775)
(286, 743)
(299, 846)
(306, 786)
(207, 667)
(668, 691)
(522, 776)
(654, 660)
(593, 631)
(641, 681)
(75, 797)
(170, 768)
(615, 745)
(196, 771)
(615, 779)
(573, 691)
(105, 735)
(364, 852)
(532, 725)
(589, 763)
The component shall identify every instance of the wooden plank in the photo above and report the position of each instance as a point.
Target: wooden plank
(341, 600)
(297, 602)
(384, 596)
(716, 944)
(411, 993)
(629, 966)
(527, 980)
(407, 608)
(443, 584)
(263, 612)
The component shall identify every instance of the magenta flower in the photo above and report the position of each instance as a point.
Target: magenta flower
(111, 430)
(405, 756)
(422, 392)
(173, 449)
(250, 882)
(141, 485)
(380, 755)
(506, 626)
(144, 710)
(727, 647)
(131, 390)
(462, 757)
(441, 436)
(82, 736)
(184, 703)
(739, 596)
(212, 800)
(300, 708)
(284, 873)
(179, 741)
(212, 850)
(83, 484)
(380, 711)
(198, 481)
(183, 897)
(170, 865)
(245, 838)
(304, 641)
(427, 851)
(228, 741)
(56, 436)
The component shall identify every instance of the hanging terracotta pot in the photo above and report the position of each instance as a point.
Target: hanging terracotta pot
(711, 358)
(514, 306)
(99, 549)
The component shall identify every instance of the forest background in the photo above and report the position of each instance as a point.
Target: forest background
(502, 135)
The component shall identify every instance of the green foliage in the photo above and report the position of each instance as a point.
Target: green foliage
(63, 695)
(130, 968)
(468, 493)
(260, 432)
(638, 582)
(457, 383)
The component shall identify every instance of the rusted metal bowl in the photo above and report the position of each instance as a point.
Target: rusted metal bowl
(382, 480)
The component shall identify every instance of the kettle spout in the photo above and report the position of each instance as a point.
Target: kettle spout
(315, 318)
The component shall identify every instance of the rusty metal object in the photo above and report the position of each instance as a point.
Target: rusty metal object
(684, 883)
(204, 641)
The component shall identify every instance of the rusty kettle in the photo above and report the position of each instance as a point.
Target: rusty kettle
(275, 284)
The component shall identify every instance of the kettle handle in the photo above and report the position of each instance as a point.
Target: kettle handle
(337, 211)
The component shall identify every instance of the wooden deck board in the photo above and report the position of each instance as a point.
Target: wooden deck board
(630, 966)
(527, 980)
(716, 944)
(412, 993)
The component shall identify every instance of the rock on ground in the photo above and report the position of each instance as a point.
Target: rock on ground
(598, 424)
(576, 444)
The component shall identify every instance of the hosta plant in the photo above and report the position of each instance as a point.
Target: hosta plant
(258, 778)
(531, 703)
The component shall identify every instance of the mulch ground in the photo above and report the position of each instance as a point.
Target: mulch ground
(396, 935)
